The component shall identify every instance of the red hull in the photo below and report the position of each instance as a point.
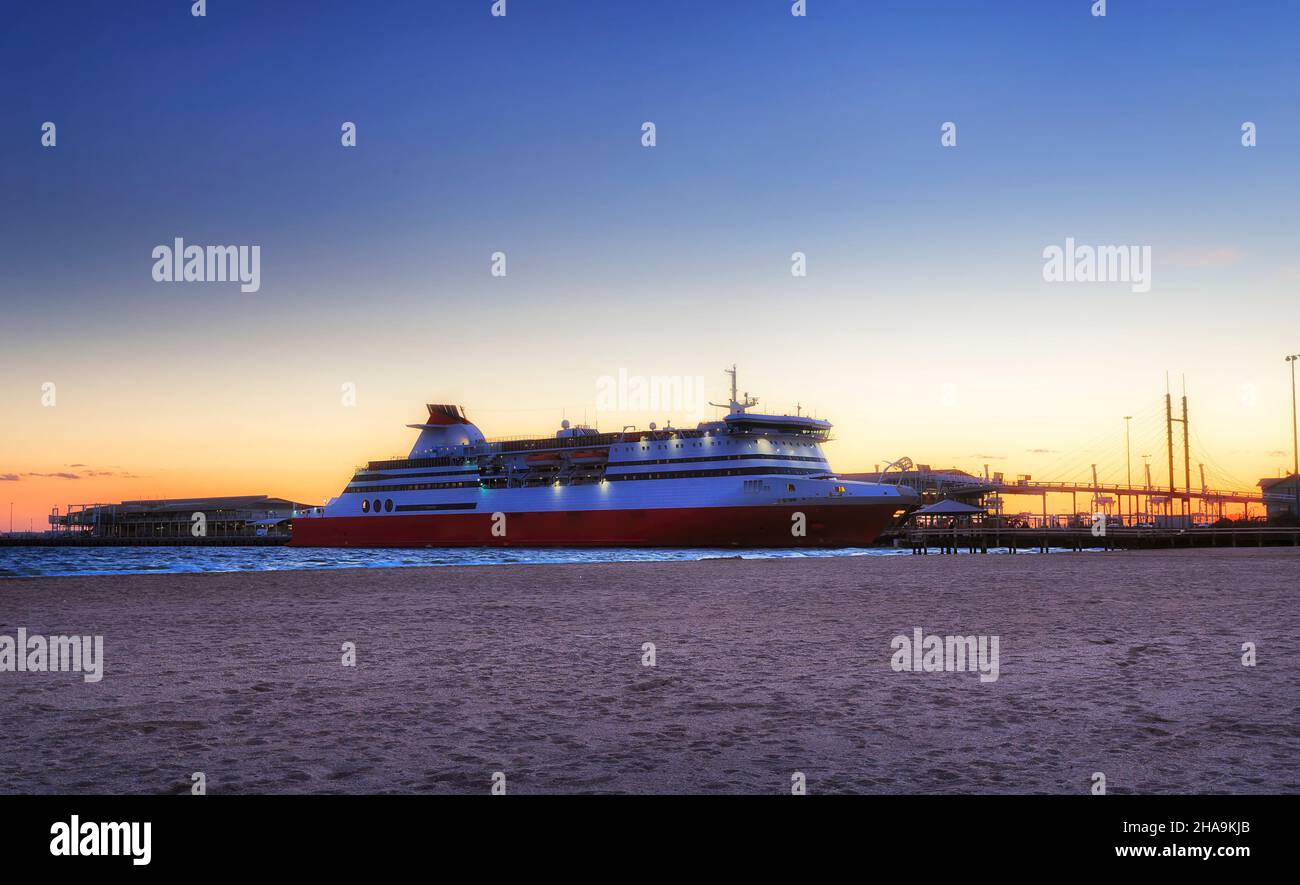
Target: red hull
(826, 526)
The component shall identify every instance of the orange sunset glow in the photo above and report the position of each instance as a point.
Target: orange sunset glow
(130, 435)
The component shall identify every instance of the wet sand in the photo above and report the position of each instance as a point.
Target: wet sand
(1127, 663)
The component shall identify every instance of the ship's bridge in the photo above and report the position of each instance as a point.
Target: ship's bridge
(740, 420)
(786, 425)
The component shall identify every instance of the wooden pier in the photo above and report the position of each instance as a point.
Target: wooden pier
(84, 539)
(981, 539)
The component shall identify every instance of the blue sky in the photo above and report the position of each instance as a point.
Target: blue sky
(525, 129)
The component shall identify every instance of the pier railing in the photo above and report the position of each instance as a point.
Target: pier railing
(981, 539)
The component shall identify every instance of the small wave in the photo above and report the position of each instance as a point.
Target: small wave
(29, 562)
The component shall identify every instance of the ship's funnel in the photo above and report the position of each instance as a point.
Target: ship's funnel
(446, 428)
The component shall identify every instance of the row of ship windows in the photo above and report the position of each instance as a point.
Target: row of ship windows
(468, 484)
(386, 505)
(410, 463)
(758, 485)
(449, 461)
(414, 487)
(717, 442)
(748, 457)
(361, 477)
(733, 471)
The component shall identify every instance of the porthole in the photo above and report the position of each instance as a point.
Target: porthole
(365, 505)
(376, 505)
(388, 506)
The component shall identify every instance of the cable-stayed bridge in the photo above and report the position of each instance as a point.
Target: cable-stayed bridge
(1160, 447)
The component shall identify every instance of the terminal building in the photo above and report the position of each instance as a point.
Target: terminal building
(242, 516)
(1280, 496)
(935, 485)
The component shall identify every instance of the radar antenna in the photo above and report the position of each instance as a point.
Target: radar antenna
(736, 406)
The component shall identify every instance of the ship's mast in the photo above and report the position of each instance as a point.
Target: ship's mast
(737, 406)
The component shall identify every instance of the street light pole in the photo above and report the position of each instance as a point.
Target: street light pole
(1128, 459)
(1295, 470)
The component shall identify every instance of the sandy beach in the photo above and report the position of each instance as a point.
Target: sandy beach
(1125, 663)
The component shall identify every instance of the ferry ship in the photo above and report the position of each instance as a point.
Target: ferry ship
(748, 480)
